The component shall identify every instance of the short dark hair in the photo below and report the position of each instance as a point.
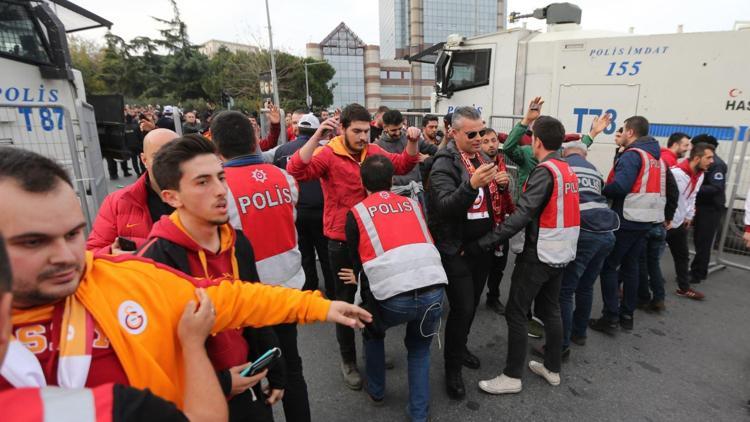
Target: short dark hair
(6, 275)
(699, 150)
(429, 118)
(490, 130)
(675, 138)
(354, 113)
(638, 124)
(550, 131)
(377, 173)
(382, 109)
(705, 139)
(167, 161)
(393, 118)
(233, 134)
(33, 172)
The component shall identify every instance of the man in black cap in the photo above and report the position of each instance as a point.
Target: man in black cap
(709, 210)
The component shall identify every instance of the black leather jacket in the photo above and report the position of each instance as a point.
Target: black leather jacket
(530, 205)
(450, 196)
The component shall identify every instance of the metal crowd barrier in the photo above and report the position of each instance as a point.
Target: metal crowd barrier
(731, 249)
(49, 129)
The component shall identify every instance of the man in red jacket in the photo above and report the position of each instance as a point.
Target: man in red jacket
(677, 145)
(131, 211)
(337, 165)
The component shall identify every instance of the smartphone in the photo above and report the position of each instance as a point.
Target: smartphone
(535, 106)
(263, 362)
(126, 244)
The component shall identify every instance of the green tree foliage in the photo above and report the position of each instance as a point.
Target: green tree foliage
(173, 70)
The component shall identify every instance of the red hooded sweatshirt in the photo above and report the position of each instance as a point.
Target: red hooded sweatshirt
(669, 157)
(228, 348)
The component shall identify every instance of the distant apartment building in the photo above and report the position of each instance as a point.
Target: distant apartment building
(211, 47)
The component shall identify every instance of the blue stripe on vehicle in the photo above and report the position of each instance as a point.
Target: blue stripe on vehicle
(722, 133)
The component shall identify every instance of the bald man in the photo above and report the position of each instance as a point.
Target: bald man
(126, 216)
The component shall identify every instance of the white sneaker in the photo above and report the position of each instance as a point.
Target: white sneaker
(501, 384)
(553, 378)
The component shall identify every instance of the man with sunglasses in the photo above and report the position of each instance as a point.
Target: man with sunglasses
(468, 198)
(394, 140)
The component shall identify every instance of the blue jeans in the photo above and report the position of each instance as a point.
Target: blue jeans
(579, 278)
(421, 313)
(651, 281)
(624, 257)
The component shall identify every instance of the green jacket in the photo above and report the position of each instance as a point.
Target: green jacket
(522, 156)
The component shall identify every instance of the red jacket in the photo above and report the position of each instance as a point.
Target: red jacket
(272, 139)
(339, 177)
(669, 157)
(123, 213)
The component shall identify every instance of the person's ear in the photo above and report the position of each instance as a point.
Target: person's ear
(171, 197)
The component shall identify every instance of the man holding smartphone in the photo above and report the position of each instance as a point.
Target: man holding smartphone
(466, 202)
(197, 242)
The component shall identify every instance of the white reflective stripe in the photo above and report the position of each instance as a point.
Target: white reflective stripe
(592, 205)
(477, 215)
(560, 192)
(420, 218)
(282, 269)
(369, 225)
(403, 269)
(644, 207)
(585, 170)
(557, 246)
(645, 167)
(68, 404)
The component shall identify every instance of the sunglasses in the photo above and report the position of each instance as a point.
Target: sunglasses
(473, 134)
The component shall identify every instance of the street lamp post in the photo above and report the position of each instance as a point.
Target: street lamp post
(308, 98)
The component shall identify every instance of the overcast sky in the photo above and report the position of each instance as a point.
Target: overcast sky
(297, 22)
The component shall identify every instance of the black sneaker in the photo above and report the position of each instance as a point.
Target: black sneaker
(496, 306)
(626, 322)
(603, 325)
(470, 360)
(581, 341)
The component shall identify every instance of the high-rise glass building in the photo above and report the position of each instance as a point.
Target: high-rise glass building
(409, 26)
(345, 52)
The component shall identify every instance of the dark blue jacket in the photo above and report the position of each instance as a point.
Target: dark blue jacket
(596, 216)
(310, 192)
(712, 192)
(627, 167)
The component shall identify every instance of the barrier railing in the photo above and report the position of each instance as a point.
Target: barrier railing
(49, 129)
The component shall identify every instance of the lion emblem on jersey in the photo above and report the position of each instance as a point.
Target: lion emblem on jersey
(259, 175)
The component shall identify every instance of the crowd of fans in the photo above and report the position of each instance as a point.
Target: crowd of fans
(209, 260)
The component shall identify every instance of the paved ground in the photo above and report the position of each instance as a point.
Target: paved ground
(690, 364)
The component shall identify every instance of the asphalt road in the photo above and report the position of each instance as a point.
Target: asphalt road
(692, 363)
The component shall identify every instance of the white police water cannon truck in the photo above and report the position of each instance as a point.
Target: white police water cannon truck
(682, 82)
(42, 99)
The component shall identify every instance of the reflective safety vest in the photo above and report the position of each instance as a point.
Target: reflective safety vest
(53, 404)
(265, 197)
(396, 249)
(560, 221)
(647, 198)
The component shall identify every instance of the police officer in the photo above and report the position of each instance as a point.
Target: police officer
(709, 210)
(549, 212)
(402, 280)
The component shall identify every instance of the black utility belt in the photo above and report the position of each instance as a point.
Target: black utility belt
(421, 290)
